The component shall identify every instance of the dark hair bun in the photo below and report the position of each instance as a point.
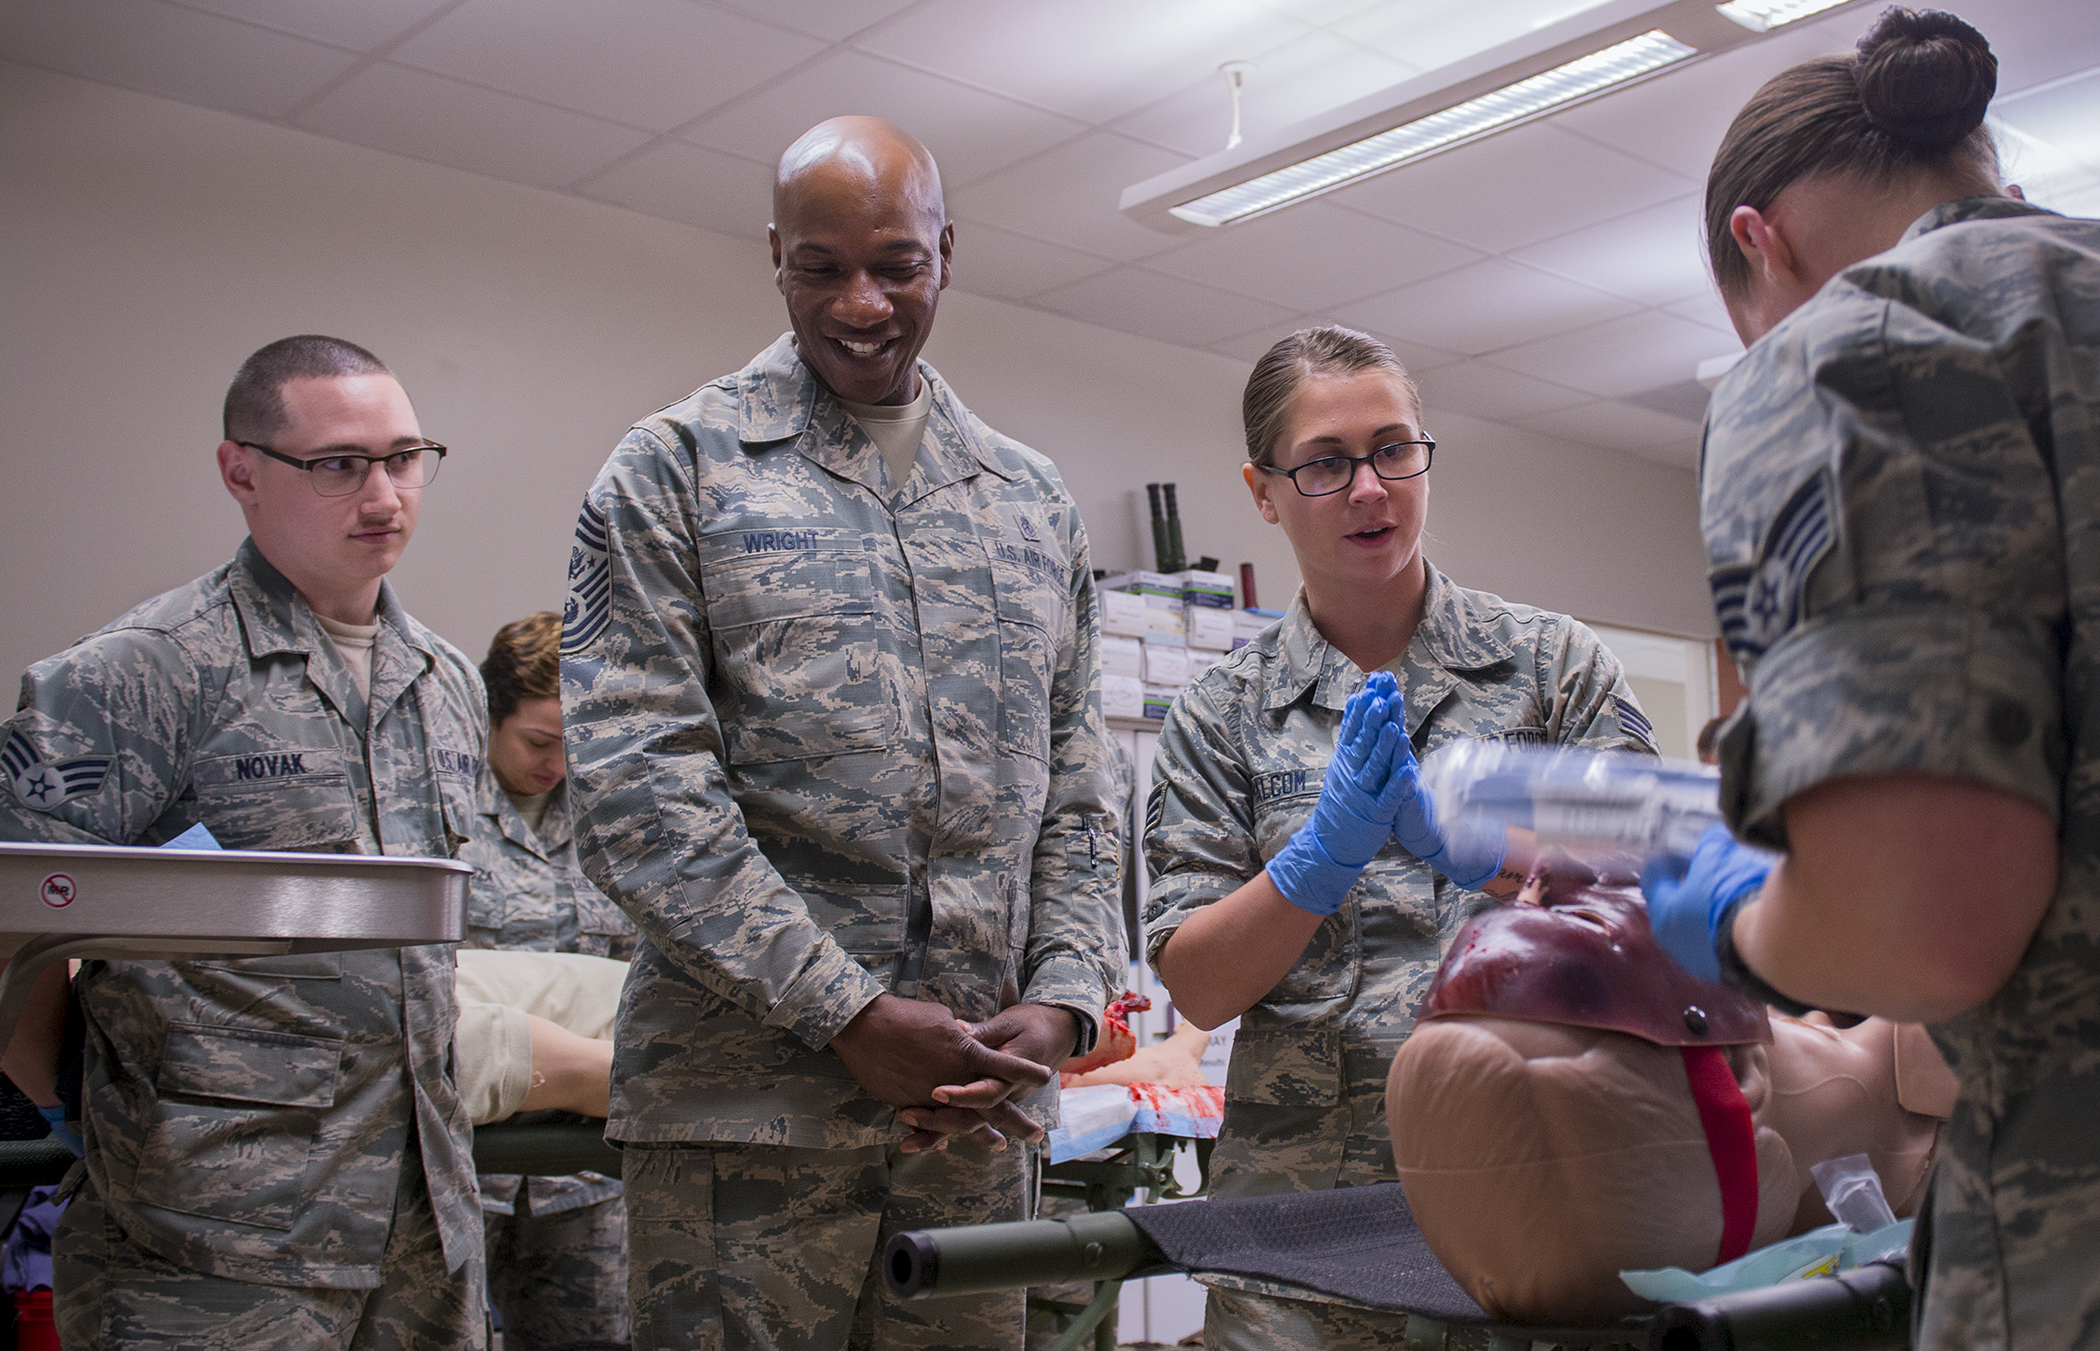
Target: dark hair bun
(1925, 77)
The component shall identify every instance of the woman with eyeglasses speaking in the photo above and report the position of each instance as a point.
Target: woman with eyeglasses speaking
(1300, 881)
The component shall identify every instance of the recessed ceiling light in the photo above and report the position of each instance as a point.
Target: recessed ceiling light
(1616, 64)
(1762, 16)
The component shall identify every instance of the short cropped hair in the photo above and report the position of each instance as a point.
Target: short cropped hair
(255, 400)
(524, 662)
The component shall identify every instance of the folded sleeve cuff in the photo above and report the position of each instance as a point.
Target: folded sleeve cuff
(1174, 898)
(1071, 984)
(1923, 690)
(494, 1061)
(829, 994)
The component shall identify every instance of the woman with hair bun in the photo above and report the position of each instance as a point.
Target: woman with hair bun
(1901, 505)
(1300, 880)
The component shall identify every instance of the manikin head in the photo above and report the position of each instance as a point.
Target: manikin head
(1546, 1128)
(861, 243)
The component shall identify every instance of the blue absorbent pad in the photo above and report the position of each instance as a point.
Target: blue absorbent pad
(1819, 1252)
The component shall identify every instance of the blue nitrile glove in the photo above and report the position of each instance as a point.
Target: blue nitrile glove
(1468, 854)
(61, 1132)
(1353, 817)
(1690, 900)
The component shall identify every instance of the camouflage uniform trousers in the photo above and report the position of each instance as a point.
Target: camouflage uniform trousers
(1244, 1320)
(560, 1278)
(112, 1293)
(737, 1247)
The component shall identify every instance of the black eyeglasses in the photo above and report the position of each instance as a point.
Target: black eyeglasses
(341, 475)
(1332, 473)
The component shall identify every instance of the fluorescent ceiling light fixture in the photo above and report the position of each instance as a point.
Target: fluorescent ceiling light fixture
(1762, 16)
(1585, 75)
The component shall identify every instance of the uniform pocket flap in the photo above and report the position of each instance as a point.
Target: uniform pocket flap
(773, 587)
(243, 1064)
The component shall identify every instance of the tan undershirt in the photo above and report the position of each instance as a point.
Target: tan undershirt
(355, 642)
(896, 429)
(533, 809)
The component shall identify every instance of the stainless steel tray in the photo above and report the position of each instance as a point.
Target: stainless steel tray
(59, 901)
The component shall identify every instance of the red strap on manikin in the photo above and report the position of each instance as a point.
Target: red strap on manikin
(1731, 1139)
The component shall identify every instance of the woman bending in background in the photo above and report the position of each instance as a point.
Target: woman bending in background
(1271, 900)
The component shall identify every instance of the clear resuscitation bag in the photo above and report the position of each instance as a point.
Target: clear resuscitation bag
(1611, 811)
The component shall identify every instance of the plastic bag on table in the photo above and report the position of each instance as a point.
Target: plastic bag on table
(1611, 811)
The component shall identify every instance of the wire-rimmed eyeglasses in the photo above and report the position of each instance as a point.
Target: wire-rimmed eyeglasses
(1331, 474)
(340, 475)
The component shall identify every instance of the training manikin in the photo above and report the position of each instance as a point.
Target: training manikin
(1572, 1104)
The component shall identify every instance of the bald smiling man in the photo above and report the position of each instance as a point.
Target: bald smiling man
(830, 685)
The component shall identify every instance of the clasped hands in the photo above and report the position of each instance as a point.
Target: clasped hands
(951, 1078)
(1373, 792)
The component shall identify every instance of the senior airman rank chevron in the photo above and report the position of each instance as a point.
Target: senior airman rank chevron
(1632, 719)
(43, 784)
(589, 606)
(1757, 604)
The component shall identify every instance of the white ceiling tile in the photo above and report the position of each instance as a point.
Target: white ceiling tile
(1676, 119)
(178, 53)
(1611, 425)
(2034, 40)
(1251, 346)
(366, 25)
(1480, 390)
(1090, 59)
(429, 117)
(693, 184)
(1515, 188)
(1652, 256)
(1322, 11)
(1704, 308)
(1311, 257)
(831, 19)
(1007, 266)
(971, 133)
(1484, 307)
(1432, 33)
(1622, 356)
(1309, 76)
(1069, 195)
(1153, 306)
(648, 63)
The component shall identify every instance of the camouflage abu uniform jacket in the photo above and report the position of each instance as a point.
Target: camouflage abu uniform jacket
(1900, 491)
(829, 737)
(249, 1118)
(1240, 763)
(529, 893)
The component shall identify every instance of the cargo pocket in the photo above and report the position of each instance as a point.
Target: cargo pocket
(796, 643)
(234, 1123)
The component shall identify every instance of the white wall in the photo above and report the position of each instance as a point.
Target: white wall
(151, 245)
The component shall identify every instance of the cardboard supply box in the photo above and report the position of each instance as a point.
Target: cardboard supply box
(1122, 657)
(1122, 697)
(1208, 628)
(1123, 614)
(1144, 584)
(1166, 663)
(1158, 699)
(1211, 589)
(1167, 623)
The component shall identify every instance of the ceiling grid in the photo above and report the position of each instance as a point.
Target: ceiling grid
(1548, 276)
